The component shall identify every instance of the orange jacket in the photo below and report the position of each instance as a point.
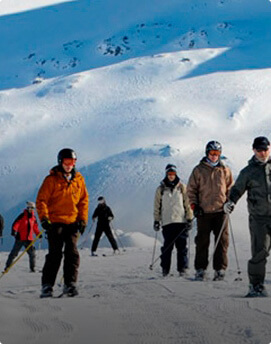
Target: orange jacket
(61, 201)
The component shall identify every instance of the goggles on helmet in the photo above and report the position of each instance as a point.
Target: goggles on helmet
(214, 152)
(69, 162)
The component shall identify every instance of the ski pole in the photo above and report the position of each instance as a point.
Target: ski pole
(235, 252)
(20, 256)
(166, 249)
(81, 246)
(153, 252)
(118, 238)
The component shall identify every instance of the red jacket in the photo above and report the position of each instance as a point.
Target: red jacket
(26, 225)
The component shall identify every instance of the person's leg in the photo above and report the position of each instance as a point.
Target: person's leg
(260, 247)
(54, 256)
(202, 241)
(71, 256)
(181, 246)
(166, 249)
(14, 253)
(110, 237)
(32, 256)
(220, 257)
(98, 234)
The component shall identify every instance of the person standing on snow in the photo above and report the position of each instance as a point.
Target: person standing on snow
(208, 189)
(23, 229)
(105, 216)
(62, 205)
(172, 211)
(255, 178)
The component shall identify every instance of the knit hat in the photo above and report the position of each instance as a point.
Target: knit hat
(30, 204)
(171, 168)
(261, 142)
(101, 199)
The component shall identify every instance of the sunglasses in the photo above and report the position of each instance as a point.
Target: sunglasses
(214, 152)
(69, 162)
(30, 208)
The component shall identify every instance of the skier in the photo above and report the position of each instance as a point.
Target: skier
(23, 229)
(62, 205)
(208, 189)
(255, 178)
(173, 212)
(105, 216)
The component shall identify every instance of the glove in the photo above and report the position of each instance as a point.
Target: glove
(197, 210)
(188, 225)
(13, 233)
(156, 226)
(46, 224)
(110, 218)
(81, 226)
(228, 207)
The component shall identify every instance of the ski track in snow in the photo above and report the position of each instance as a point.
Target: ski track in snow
(122, 301)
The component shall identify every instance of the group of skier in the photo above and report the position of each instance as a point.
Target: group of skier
(210, 196)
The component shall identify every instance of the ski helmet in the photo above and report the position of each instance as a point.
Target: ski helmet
(213, 145)
(66, 153)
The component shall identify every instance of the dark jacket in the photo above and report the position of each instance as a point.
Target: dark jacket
(255, 178)
(103, 212)
(25, 226)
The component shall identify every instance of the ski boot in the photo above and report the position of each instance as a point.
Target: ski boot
(46, 291)
(200, 275)
(257, 290)
(70, 290)
(219, 275)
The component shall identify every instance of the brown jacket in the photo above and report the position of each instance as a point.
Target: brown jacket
(209, 186)
(61, 201)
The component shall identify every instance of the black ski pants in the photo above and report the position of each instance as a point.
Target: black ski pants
(59, 236)
(207, 223)
(175, 234)
(103, 228)
(16, 249)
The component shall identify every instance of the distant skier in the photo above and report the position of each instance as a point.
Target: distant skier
(105, 216)
(208, 189)
(23, 229)
(62, 205)
(173, 212)
(255, 178)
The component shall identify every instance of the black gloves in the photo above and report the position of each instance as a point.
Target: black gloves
(13, 232)
(81, 226)
(46, 224)
(188, 225)
(156, 226)
(198, 211)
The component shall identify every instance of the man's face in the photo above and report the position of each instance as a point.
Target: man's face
(171, 176)
(30, 210)
(214, 155)
(68, 164)
(262, 154)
